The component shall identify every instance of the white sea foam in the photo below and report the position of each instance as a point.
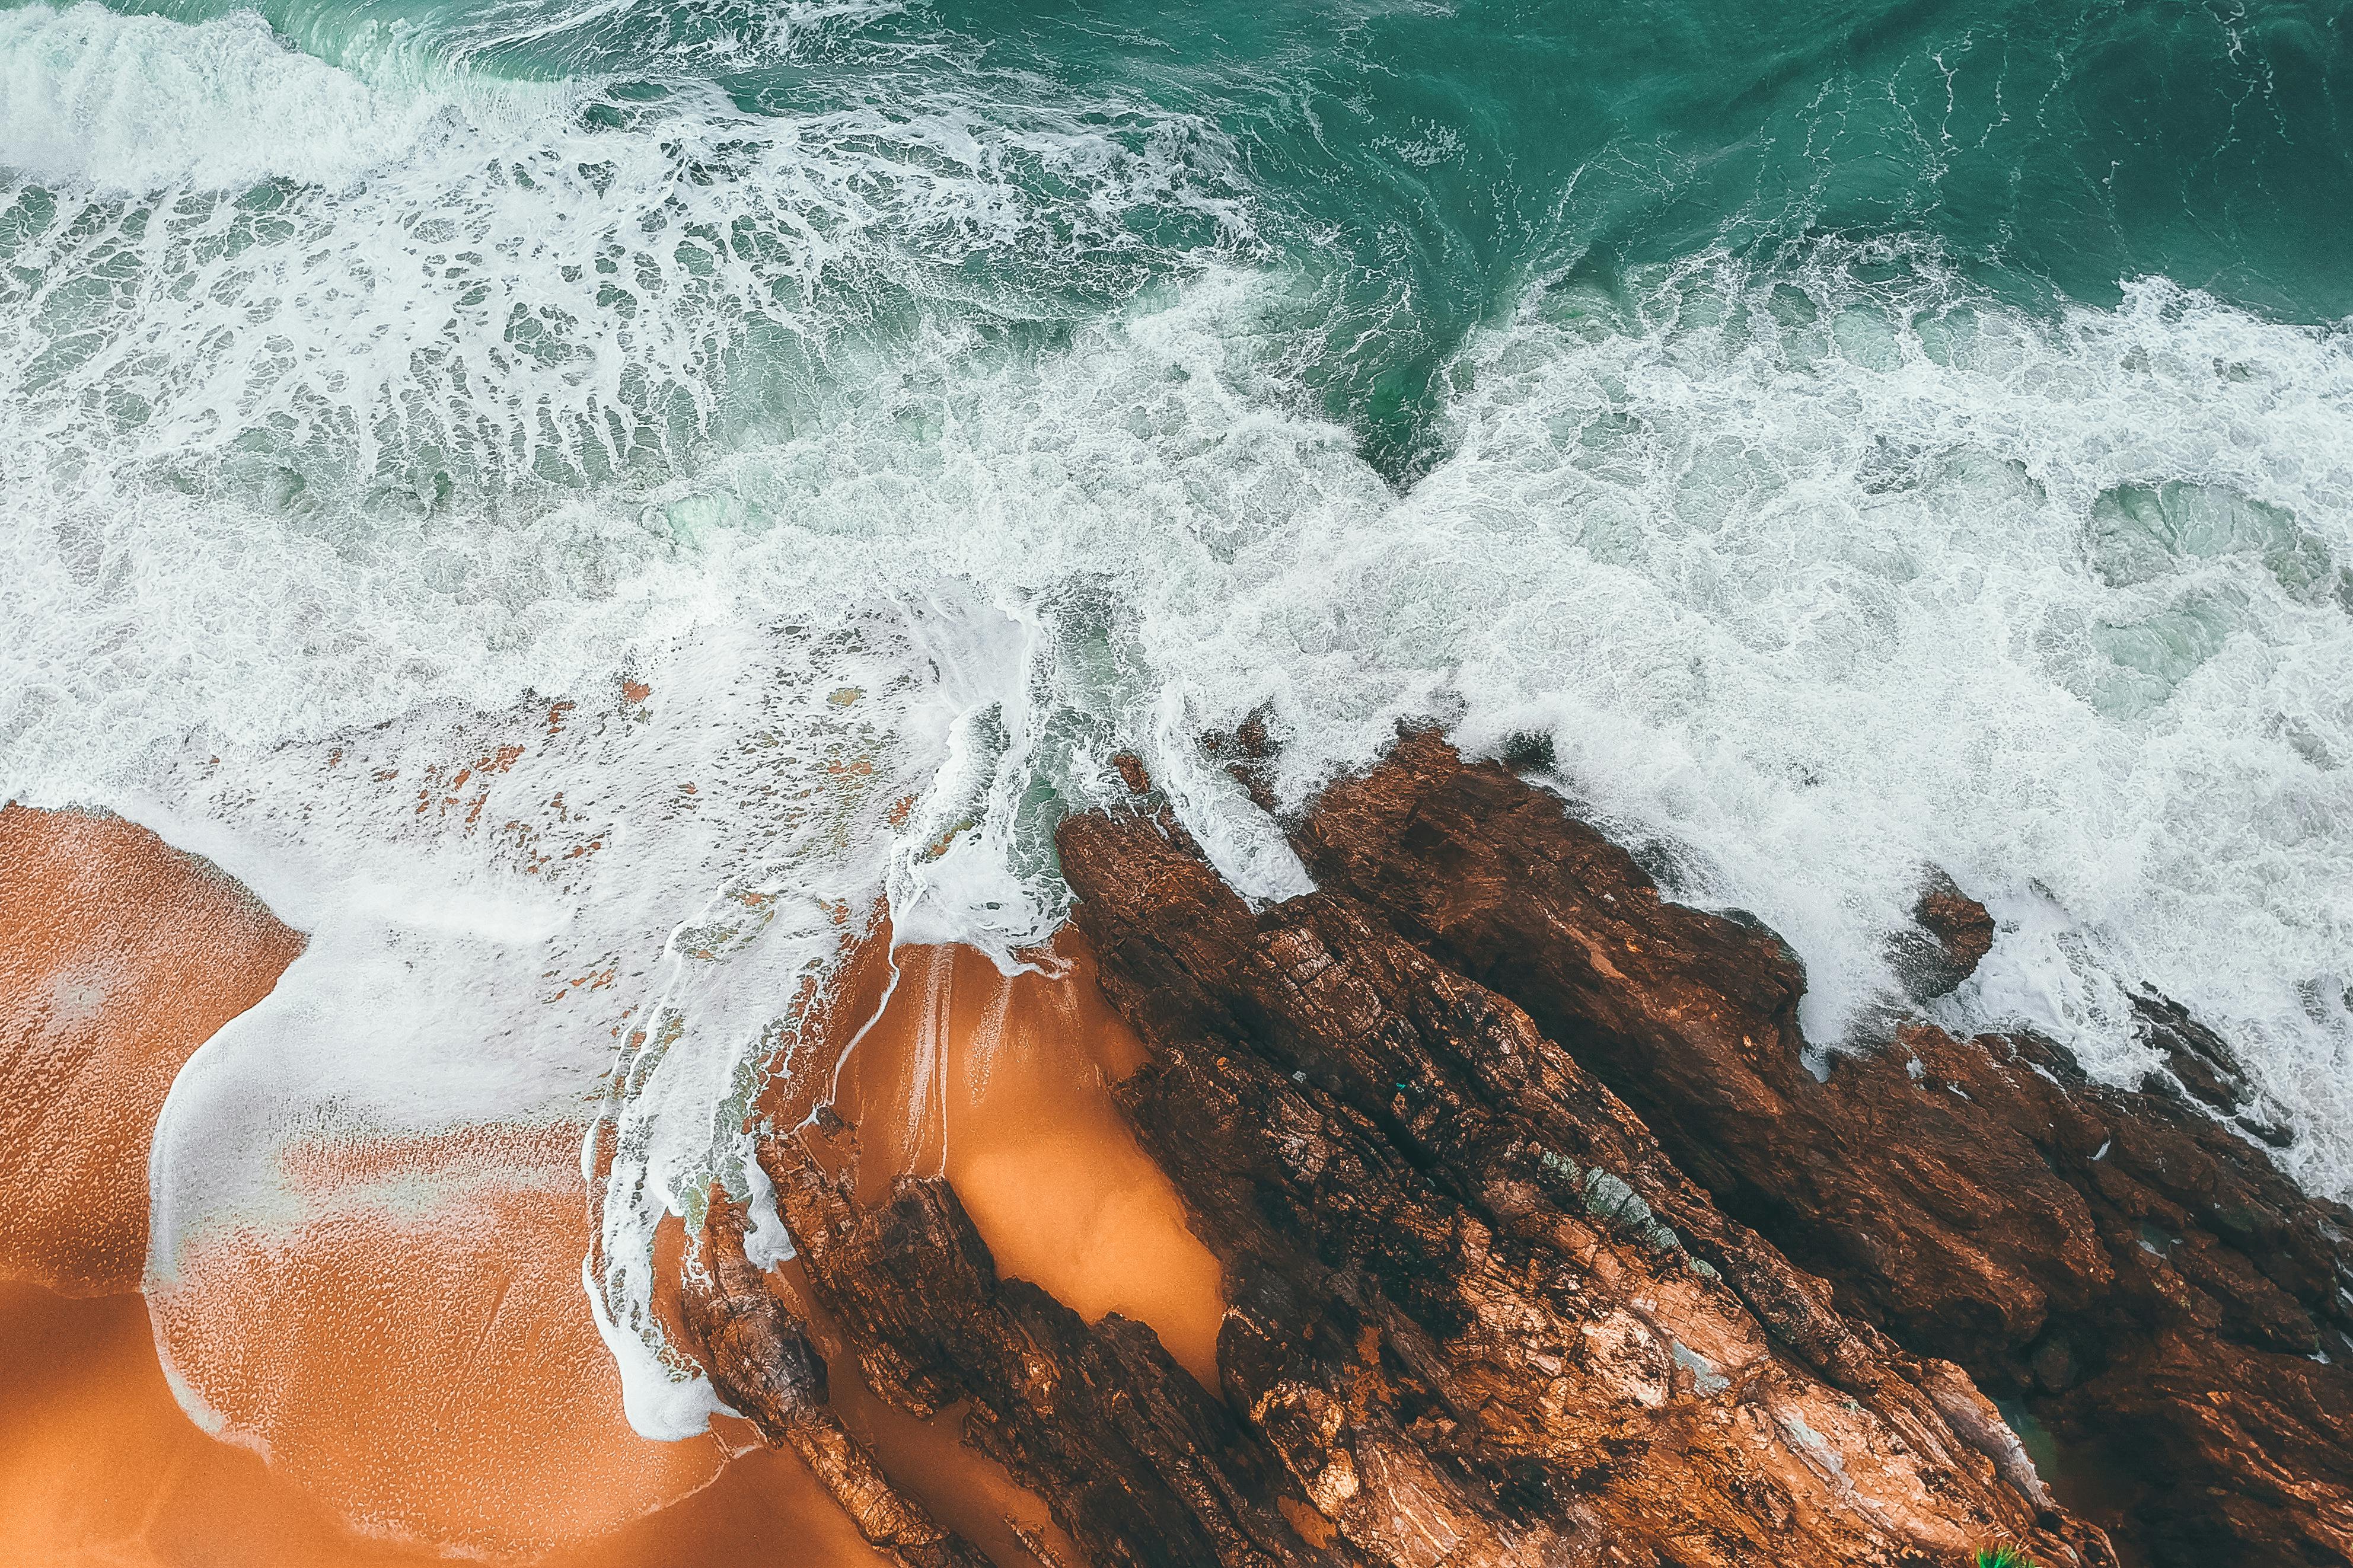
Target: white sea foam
(135, 104)
(1811, 583)
(448, 294)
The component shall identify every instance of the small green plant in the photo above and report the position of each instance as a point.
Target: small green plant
(2004, 1557)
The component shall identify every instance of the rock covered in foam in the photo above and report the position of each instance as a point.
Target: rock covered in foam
(1951, 932)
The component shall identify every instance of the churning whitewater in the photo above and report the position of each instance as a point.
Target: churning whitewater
(574, 504)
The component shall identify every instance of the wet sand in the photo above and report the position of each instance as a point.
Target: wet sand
(1004, 1085)
(418, 1352)
(99, 1468)
(431, 1371)
(119, 956)
(416, 1357)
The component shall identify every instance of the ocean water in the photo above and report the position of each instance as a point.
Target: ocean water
(579, 504)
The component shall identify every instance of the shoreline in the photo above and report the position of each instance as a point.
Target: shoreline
(997, 1106)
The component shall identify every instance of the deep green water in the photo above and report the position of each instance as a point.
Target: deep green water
(1427, 164)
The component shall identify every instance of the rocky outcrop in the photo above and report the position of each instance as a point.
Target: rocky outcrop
(2154, 1281)
(1950, 933)
(2200, 1064)
(1477, 1311)
(1478, 1315)
(1138, 1463)
(764, 1365)
(1546, 1240)
(1247, 754)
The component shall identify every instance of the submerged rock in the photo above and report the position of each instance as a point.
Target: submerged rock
(2198, 1058)
(1951, 934)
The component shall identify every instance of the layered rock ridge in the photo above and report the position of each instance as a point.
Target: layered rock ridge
(1478, 1312)
(1476, 1308)
(2125, 1260)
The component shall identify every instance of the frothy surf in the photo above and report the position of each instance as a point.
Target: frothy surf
(572, 554)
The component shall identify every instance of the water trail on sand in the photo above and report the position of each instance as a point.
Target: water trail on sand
(1002, 1084)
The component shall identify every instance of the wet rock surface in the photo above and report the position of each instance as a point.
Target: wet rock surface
(1477, 1310)
(1544, 1244)
(2157, 1287)
(1950, 933)
(761, 1362)
(1478, 1315)
(1139, 1464)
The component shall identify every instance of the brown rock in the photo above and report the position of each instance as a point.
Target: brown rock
(1952, 933)
(2198, 1058)
(2053, 1363)
(761, 1361)
(1138, 1464)
(1130, 768)
(1249, 754)
(759, 1354)
(1474, 1303)
(1973, 1197)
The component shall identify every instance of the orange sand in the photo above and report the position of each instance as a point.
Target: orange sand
(1004, 1085)
(421, 1358)
(99, 1469)
(418, 1354)
(119, 956)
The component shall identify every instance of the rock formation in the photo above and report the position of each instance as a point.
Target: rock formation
(1140, 1464)
(2165, 1293)
(764, 1365)
(1951, 933)
(1476, 1310)
(1478, 1313)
